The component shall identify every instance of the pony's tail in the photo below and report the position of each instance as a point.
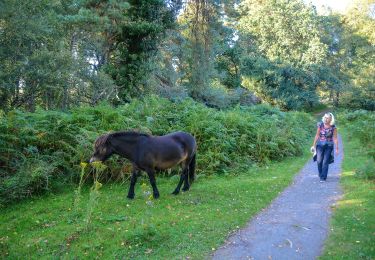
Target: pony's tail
(192, 169)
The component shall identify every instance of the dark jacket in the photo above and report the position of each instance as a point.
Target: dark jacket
(331, 159)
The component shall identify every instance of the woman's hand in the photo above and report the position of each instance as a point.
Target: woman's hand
(337, 150)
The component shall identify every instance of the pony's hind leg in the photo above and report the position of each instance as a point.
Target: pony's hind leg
(186, 180)
(182, 179)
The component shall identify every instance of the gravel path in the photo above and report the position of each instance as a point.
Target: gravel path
(296, 223)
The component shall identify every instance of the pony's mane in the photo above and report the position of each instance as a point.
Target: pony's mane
(129, 133)
(101, 140)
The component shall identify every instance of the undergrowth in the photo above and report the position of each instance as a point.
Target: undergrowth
(42, 151)
(360, 125)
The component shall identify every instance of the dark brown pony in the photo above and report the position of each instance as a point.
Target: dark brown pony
(149, 153)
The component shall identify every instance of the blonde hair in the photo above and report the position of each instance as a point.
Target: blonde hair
(331, 116)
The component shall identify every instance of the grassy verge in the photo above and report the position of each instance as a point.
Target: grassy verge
(353, 223)
(189, 225)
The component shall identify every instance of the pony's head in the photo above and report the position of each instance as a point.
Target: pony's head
(102, 149)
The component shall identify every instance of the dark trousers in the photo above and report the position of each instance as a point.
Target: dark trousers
(323, 156)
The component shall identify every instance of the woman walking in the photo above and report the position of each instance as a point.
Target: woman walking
(325, 140)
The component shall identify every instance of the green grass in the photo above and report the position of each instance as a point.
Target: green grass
(191, 224)
(353, 224)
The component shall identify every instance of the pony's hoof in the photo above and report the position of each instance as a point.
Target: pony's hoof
(175, 192)
(130, 196)
(156, 195)
(185, 188)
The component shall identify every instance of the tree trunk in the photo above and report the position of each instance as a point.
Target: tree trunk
(31, 96)
(336, 99)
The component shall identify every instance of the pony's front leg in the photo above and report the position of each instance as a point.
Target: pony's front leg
(151, 176)
(133, 181)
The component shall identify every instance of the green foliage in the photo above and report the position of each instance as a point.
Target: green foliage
(359, 49)
(45, 148)
(288, 87)
(285, 54)
(46, 54)
(62, 54)
(137, 42)
(349, 66)
(219, 97)
(287, 31)
(204, 56)
(361, 125)
(367, 171)
(228, 66)
(27, 43)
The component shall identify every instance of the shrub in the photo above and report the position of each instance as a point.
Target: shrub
(361, 125)
(41, 149)
(367, 171)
